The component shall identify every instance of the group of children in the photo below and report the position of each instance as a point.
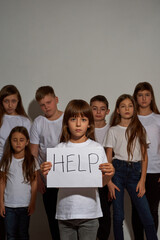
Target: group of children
(130, 143)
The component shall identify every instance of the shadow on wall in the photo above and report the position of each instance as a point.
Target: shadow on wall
(34, 110)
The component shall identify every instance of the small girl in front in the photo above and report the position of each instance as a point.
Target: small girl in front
(18, 184)
(127, 139)
(78, 209)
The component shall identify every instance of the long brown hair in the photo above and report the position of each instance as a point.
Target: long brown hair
(28, 165)
(77, 107)
(7, 91)
(146, 86)
(134, 131)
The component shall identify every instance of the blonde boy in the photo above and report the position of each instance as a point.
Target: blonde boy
(45, 133)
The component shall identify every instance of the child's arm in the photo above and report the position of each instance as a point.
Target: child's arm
(111, 185)
(2, 188)
(31, 207)
(40, 183)
(141, 184)
(34, 149)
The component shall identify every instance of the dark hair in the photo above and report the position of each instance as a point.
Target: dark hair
(75, 108)
(43, 91)
(5, 92)
(99, 98)
(135, 130)
(146, 86)
(29, 161)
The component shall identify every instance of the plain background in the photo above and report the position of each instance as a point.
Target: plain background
(82, 48)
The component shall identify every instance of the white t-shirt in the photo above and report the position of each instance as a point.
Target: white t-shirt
(46, 133)
(79, 203)
(9, 122)
(17, 192)
(116, 139)
(100, 134)
(151, 123)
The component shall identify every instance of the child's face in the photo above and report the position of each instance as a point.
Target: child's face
(48, 104)
(126, 109)
(10, 104)
(78, 127)
(99, 110)
(19, 142)
(144, 98)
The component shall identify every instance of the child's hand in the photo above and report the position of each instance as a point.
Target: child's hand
(140, 188)
(159, 180)
(111, 188)
(2, 210)
(107, 169)
(45, 167)
(31, 209)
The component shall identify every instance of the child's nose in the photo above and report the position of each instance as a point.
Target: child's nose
(78, 121)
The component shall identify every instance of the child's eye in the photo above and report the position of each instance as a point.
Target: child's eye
(5, 101)
(84, 119)
(72, 119)
(14, 101)
(94, 108)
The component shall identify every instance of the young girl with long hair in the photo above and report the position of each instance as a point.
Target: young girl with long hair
(12, 113)
(18, 184)
(78, 209)
(127, 139)
(149, 116)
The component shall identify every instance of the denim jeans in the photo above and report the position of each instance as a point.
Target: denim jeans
(78, 229)
(17, 223)
(50, 202)
(153, 197)
(127, 175)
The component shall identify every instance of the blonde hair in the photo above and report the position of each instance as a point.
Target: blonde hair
(43, 91)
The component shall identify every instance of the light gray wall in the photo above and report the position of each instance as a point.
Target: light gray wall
(81, 48)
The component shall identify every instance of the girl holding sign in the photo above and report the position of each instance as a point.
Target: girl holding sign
(78, 209)
(127, 139)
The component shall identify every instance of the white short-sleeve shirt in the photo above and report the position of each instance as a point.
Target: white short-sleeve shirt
(46, 133)
(79, 203)
(9, 122)
(151, 123)
(17, 192)
(116, 139)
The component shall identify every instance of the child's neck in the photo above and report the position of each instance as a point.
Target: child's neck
(144, 111)
(19, 155)
(55, 116)
(78, 140)
(124, 122)
(100, 124)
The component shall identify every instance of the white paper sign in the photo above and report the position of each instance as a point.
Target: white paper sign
(74, 167)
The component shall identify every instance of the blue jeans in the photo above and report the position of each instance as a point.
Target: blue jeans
(78, 229)
(17, 223)
(127, 175)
